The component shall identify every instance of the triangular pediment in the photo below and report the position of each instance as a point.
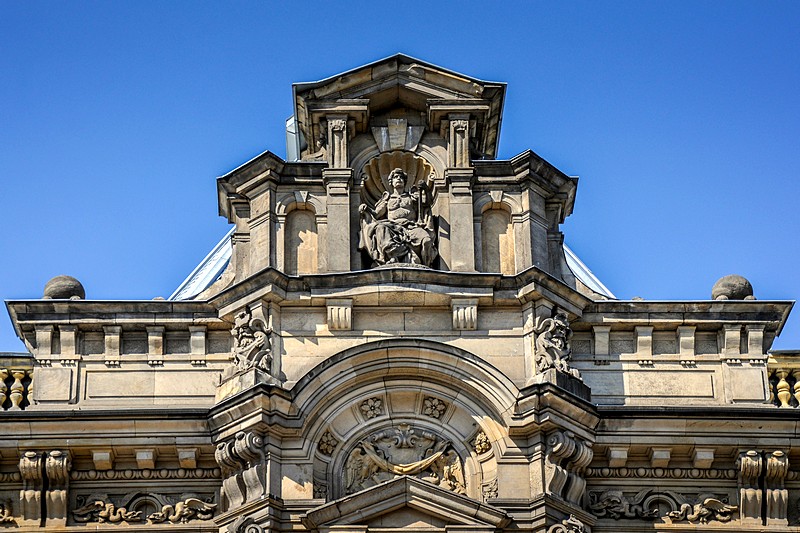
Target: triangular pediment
(404, 502)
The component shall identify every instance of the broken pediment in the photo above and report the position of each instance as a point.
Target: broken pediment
(406, 501)
(397, 98)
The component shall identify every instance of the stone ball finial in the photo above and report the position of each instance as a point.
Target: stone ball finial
(732, 287)
(64, 288)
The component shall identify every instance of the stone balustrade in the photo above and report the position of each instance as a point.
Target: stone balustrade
(16, 381)
(784, 374)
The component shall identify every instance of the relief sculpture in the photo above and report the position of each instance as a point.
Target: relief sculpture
(552, 348)
(403, 451)
(252, 347)
(399, 229)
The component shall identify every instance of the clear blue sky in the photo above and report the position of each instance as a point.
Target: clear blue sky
(681, 118)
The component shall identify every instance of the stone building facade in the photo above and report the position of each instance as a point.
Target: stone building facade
(399, 339)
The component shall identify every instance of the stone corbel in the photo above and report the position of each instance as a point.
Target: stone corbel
(755, 344)
(340, 314)
(44, 344)
(146, 458)
(659, 457)
(703, 458)
(103, 459)
(776, 495)
(113, 344)
(243, 464)
(68, 336)
(465, 314)
(617, 456)
(750, 464)
(644, 345)
(31, 469)
(602, 343)
(197, 345)
(155, 345)
(566, 459)
(686, 345)
(57, 466)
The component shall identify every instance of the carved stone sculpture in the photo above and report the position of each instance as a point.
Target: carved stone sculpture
(403, 451)
(552, 348)
(614, 504)
(102, 511)
(6, 514)
(252, 346)
(570, 525)
(703, 511)
(775, 492)
(399, 229)
(243, 464)
(57, 467)
(184, 511)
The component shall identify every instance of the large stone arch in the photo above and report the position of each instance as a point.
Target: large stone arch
(400, 385)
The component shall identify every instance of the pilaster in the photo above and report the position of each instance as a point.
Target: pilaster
(462, 256)
(337, 184)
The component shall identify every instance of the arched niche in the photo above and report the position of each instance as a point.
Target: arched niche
(497, 242)
(301, 243)
(375, 172)
(418, 387)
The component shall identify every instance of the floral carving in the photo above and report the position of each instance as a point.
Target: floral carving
(433, 407)
(327, 443)
(481, 443)
(371, 407)
(252, 347)
(552, 348)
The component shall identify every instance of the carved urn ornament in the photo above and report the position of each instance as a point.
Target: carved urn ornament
(399, 228)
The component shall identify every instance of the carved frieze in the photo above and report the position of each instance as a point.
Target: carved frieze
(614, 504)
(704, 510)
(489, 490)
(104, 511)
(400, 451)
(181, 510)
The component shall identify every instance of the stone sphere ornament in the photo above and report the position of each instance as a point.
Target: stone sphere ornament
(64, 288)
(732, 287)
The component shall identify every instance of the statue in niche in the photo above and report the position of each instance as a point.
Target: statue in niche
(403, 451)
(552, 348)
(399, 229)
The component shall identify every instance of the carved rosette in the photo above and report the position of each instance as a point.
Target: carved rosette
(371, 408)
(400, 451)
(481, 443)
(433, 407)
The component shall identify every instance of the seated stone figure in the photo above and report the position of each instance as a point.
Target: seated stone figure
(400, 227)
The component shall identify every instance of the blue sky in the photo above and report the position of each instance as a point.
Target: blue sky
(682, 120)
